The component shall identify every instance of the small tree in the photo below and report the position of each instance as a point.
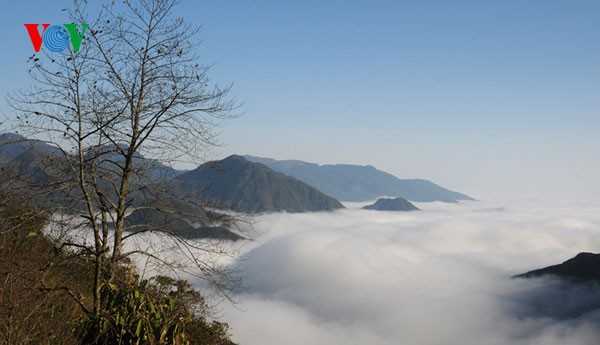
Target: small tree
(134, 89)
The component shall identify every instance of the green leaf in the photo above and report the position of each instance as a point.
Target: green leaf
(138, 330)
(163, 333)
(152, 307)
(105, 326)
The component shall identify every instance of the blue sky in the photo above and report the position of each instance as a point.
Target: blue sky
(485, 97)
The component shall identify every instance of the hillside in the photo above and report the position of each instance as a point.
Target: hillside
(582, 268)
(360, 183)
(43, 284)
(238, 184)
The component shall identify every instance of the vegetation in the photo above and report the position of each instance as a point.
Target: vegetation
(134, 88)
(45, 290)
(30, 312)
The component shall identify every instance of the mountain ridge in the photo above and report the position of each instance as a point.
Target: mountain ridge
(358, 183)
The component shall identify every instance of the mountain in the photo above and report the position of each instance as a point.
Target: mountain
(582, 268)
(360, 183)
(110, 158)
(240, 185)
(148, 219)
(35, 168)
(37, 158)
(233, 183)
(13, 146)
(26, 162)
(397, 204)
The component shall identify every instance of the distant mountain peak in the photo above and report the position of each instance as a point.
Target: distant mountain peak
(388, 204)
(236, 157)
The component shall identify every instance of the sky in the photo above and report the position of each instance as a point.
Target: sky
(484, 97)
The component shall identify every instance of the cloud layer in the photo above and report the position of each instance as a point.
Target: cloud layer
(439, 276)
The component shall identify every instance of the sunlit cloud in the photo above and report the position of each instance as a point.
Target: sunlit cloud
(439, 276)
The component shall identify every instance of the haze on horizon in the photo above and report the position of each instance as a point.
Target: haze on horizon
(482, 98)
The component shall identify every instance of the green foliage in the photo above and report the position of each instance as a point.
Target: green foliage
(162, 312)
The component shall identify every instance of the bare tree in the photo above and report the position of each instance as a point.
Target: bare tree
(135, 89)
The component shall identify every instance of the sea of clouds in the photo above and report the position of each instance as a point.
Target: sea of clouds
(437, 276)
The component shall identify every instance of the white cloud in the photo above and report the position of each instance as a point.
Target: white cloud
(439, 276)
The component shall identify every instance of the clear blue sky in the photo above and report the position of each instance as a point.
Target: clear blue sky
(483, 97)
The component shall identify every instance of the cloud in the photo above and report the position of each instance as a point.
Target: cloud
(438, 276)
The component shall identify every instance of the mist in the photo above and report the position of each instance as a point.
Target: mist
(437, 276)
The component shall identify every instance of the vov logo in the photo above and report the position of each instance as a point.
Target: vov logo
(56, 38)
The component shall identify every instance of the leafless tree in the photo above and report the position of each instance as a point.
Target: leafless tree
(135, 89)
